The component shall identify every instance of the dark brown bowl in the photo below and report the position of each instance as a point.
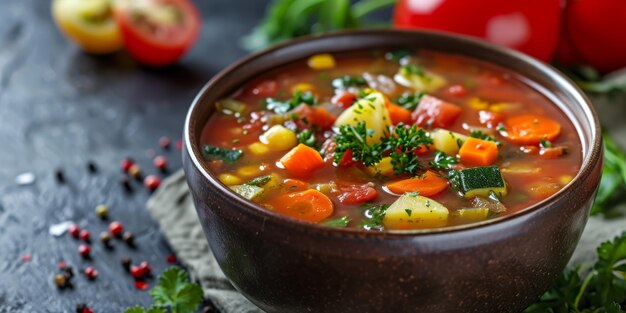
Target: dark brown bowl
(500, 265)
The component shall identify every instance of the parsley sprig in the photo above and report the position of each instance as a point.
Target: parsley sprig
(347, 81)
(374, 215)
(481, 135)
(442, 161)
(174, 293)
(298, 97)
(613, 176)
(354, 138)
(600, 288)
(402, 145)
(409, 100)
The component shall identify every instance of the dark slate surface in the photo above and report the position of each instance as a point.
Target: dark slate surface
(60, 108)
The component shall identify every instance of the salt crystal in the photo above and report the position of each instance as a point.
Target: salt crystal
(59, 229)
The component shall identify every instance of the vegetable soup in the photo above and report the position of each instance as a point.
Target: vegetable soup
(391, 140)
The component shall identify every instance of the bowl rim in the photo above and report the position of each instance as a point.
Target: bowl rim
(589, 162)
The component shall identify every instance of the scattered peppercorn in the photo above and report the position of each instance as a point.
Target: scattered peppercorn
(84, 250)
(74, 230)
(129, 238)
(135, 171)
(91, 273)
(126, 262)
(68, 272)
(116, 228)
(136, 271)
(91, 167)
(146, 268)
(26, 258)
(60, 176)
(171, 259)
(88, 310)
(160, 162)
(80, 307)
(208, 309)
(126, 164)
(102, 211)
(164, 142)
(61, 265)
(126, 184)
(84, 235)
(141, 285)
(151, 182)
(105, 237)
(179, 144)
(60, 281)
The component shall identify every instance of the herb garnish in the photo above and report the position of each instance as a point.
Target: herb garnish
(298, 97)
(481, 135)
(613, 176)
(354, 138)
(374, 215)
(409, 100)
(402, 144)
(398, 55)
(442, 161)
(339, 222)
(545, 143)
(346, 81)
(412, 69)
(601, 288)
(259, 181)
(226, 155)
(173, 292)
(307, 137)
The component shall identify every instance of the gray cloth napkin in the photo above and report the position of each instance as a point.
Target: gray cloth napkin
(172, 207)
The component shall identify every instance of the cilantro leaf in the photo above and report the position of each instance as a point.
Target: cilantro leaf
(398, 55)
(138, 309)
(402, 145)
(339, 222)
(409, 100)
(176, 292)
(346, 81)
(442, 161)
(307, 137)
(354, 138)
(226, 155)
(480, 135)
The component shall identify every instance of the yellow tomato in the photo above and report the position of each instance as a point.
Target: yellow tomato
(89, 23)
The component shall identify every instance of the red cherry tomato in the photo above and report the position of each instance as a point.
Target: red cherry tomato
(157, 32)
(530, 26)
(593, 34)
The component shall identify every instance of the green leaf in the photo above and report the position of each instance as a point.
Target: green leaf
(339, 222)
(480, 135)
(409, 100)
(307, 137)
(613, 178)
(259, 181)
(176, 292)
(135, 309)
(442, 161)
(226, 155)
(373, 216)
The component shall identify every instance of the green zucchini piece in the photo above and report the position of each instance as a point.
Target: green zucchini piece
(247, 191)
(473, 214)
(482, 181)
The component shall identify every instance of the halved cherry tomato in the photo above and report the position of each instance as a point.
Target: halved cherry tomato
(531, 26)
(591, 34)
(89, 23)
(157, 32)
(344, 100)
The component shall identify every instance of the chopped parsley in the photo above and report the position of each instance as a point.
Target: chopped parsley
(374, 215)
(226, 155)
(346, 81)
(412, 69)
(307, 137)
(481, 135)
(402, 144)
(398, 55)
(354, 138)
(544, 143)
(442, 161)
(339, 222)
(501, 127)
(409, 100)
(408, 212)
(282, 107)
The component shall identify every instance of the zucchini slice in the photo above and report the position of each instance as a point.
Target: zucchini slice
(482, 181)
(247, 191)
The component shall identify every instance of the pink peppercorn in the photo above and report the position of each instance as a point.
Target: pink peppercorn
(84, 250)
(116, 228)
(151, 182)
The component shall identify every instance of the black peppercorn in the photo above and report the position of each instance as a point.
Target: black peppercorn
(129, 238)
(91, 167)
(60, 280)
(80, 307)
(125, 182)
(126, 262)
(60, 176)
(105, 237)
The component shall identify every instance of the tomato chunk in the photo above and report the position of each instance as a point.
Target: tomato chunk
(434, 112)
(357, 194)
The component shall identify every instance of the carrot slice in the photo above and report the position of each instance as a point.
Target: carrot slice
(552, 152)
(398, 114)
(291, 185)
(478, 152)
(309, 205)
(427, 185)
(531, 129)
(302, 160)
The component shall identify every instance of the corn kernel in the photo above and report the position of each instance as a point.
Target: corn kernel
(229, 180)
(303, 87)
(324, 188)
(236, 131)
(278, 137)
(321, 61)
(477, 104)
(565, 179)
(258, 148)
(249, 171)
(504, 106)
(383, 167)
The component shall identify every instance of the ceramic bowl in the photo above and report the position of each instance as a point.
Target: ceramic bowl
(500, 265)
